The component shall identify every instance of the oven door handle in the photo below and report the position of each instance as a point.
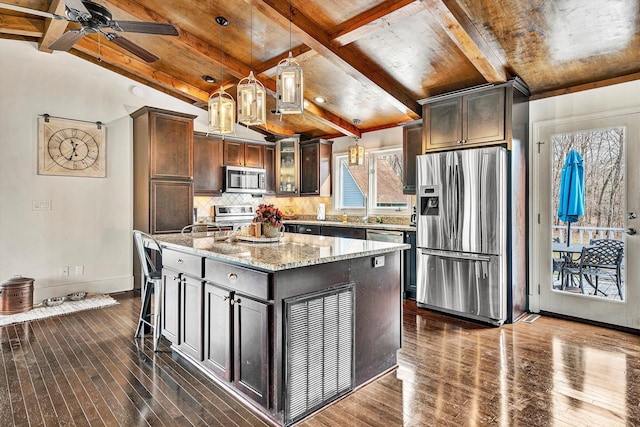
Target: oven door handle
(456, 255)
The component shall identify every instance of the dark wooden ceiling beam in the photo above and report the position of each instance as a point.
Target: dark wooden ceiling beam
(466, 36)
(372, 20)
(203, 49)
(346, 58)
(53, 28)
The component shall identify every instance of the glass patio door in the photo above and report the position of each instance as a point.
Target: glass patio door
(609, 145)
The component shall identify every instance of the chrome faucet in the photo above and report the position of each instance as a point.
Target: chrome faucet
(365, 218)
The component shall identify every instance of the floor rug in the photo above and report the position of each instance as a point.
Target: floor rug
(40, 312)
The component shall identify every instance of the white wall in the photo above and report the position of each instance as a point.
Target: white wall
(90, 222)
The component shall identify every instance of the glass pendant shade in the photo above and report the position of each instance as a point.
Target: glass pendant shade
(289, 87)
(222, 112)
(251, 101)
(356, 155)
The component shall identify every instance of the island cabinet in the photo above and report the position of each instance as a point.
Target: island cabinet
(412, 146)
(288, 327)
(183, 301)
(237, 314)
(247, 154)
(207, 165)
(315, 168)
(472, 117)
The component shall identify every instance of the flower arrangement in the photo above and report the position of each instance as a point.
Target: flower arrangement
(268, 214)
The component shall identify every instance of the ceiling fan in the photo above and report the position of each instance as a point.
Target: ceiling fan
(95, 18)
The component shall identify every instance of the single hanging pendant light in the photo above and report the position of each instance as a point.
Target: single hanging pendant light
(356, 152)
(289, 82)
(222, 107)
(251, 95)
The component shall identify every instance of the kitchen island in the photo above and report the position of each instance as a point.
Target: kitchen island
(287, 326)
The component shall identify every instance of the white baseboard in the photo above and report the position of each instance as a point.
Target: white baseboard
(103, 286)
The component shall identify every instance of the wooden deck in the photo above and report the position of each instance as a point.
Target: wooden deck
(85, 369)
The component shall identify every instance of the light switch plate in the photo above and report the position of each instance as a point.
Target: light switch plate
(41, 205)
(378, 261)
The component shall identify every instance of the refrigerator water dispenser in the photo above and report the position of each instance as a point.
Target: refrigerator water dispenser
(430, 200)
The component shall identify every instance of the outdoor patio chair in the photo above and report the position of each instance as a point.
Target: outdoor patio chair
(602, 260)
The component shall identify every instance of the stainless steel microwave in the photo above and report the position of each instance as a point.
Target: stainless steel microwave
(244, 180)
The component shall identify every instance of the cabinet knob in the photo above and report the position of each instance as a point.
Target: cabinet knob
(232, 276)
(226, 297)
(237, 300)
(179, 261)
(176, 278)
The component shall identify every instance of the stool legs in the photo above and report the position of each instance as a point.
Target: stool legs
(145, 319)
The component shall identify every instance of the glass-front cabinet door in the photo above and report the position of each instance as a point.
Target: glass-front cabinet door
(287, 181)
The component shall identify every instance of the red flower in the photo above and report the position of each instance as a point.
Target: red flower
(268, 214)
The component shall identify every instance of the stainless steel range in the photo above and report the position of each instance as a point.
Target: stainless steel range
(234, 216)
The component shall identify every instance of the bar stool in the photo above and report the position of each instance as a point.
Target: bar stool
(151, 284)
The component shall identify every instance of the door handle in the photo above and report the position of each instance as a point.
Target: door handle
(631, 231)
(632, 215)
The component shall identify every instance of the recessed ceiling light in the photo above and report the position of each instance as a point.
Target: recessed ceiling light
(319, 100)
(208, 79)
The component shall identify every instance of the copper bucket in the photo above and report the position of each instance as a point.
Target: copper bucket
(16, 295)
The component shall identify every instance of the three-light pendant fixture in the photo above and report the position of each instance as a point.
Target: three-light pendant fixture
(252, 94)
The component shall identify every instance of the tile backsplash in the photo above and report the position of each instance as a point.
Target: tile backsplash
(303, 207)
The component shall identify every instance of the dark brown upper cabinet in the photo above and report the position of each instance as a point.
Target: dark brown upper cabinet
(473, 119)
(411, 147)
(207, 165)
(169, 137)
(243, 154)
(315, 168)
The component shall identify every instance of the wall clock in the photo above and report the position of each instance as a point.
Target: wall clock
(71, 148)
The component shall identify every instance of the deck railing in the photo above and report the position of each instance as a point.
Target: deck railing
(583, 235)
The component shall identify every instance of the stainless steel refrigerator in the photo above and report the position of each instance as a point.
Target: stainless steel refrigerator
(462, 229)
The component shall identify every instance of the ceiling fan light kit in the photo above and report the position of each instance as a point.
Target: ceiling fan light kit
(222, 106)
(252, 105)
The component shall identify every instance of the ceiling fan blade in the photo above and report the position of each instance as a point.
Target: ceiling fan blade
(67, 40)
(165, 29)
(31, 11)
(79, 7)
(137, 50)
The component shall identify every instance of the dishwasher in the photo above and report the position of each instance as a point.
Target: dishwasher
(385, 236)
(392, 237)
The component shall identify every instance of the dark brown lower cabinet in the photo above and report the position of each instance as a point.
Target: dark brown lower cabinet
(251, 348)
(217, 326)
(237, 341)
(171, 206)
(190, 341)
(171, 305)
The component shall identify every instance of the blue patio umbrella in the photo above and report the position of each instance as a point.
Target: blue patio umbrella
(571, 204)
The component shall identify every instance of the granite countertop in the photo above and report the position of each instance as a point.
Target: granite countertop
(292, 251)
(377, 226)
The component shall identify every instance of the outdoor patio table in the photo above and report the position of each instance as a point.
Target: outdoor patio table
(568, 252)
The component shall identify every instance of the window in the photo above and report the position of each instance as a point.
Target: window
(377, 183)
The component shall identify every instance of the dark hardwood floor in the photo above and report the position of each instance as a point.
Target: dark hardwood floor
(85, 369)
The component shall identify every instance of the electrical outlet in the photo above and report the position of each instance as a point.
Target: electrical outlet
(378, 261)
(41, 205)
(79, 270)
(64, 271)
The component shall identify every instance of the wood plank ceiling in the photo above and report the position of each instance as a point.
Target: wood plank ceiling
(371, 60)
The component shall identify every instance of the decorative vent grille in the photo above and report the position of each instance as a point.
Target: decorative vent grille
(319, 350)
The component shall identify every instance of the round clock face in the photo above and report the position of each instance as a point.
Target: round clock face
(73, 149)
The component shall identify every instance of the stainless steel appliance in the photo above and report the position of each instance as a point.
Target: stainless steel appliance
(234, 216)
(385, 236)
(462, 233)
(244, 180)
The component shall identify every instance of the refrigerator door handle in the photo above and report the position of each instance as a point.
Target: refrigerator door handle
(456, 255)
